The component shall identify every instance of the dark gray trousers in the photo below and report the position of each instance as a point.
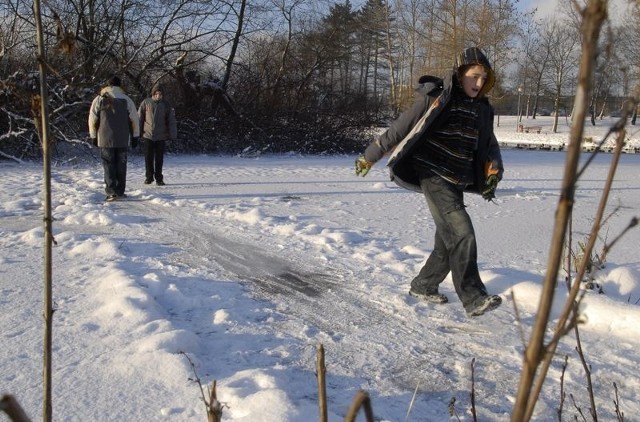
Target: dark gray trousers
(455, 248)
(114, 163)
(153, 159)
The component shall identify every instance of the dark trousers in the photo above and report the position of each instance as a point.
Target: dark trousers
(455, 247)
(153, 159)
(114, 163)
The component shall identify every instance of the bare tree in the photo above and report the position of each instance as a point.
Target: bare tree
(377, 34)
(562, 42)
(409, 29)
(606, 74)
(628, 42)
(530, 63)
(240, 17)
(287, 10)
(495, 28)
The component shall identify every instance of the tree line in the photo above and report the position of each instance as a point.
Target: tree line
(288, 75)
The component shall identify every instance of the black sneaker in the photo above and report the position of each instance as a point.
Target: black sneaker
(484, 304)
(148, 181)
(429, 297)
(110, 198)
(122, 195)
(160, 183)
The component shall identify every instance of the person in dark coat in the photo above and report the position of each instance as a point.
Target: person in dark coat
(113, 123)
(442, 147)
(158, 125)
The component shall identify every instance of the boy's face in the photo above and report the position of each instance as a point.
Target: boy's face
(157, 96)
(473, 79)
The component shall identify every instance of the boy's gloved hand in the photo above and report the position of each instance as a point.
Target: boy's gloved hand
(134, 143)
(489, 191)
(362, 166)
(491, 182)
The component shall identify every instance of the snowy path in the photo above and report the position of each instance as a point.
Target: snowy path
(317, 298)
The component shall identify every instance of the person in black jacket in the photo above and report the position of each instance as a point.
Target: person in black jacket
(442, 147)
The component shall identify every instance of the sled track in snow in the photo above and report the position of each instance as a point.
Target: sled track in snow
(330, 300)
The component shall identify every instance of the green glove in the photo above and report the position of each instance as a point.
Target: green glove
(490, 185)
(362, 166)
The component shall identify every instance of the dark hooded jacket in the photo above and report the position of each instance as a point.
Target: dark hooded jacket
(406, 133)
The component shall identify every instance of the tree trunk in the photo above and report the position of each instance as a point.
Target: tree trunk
(234, 45)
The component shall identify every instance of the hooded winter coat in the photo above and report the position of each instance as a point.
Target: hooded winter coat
(113, 118)
(407, 132)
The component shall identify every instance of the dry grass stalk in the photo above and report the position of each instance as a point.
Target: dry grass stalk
(616, 403)
(413, 400)
(214, 408)
(322, 389)
(361, 399)
(473, 390)
(452, 409)
(563, 395)
(10, 406)
(587, 370)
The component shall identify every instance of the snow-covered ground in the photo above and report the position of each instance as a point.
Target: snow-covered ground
(245, 266)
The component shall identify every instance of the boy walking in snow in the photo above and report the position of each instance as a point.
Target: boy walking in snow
(158, 125)
(442, 147)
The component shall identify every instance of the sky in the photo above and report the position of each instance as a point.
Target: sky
(547, 8)
(239, 268)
